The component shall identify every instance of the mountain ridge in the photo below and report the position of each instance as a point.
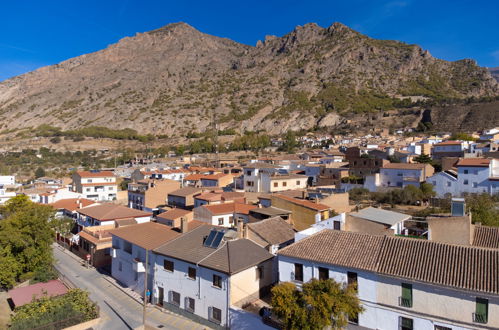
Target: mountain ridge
(176, 79)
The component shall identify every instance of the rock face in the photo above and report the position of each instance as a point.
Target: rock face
(495, 72)
(176, 80)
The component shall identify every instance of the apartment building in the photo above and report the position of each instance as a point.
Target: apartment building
(401, 175)
(95, 184)
(148, 194)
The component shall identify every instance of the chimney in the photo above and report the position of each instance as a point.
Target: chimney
(245, 231)
(240, 228)
(183, 225)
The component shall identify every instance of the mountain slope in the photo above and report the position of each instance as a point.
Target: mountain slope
(176, 79)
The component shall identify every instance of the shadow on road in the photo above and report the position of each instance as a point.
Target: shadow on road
(118, 314)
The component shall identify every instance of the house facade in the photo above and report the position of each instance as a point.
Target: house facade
(401, 175)
(95, 184)
(398, 292)
(148, 194)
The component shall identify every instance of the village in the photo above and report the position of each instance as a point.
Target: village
(205, 236)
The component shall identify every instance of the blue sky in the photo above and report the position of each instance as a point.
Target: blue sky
(39, 33)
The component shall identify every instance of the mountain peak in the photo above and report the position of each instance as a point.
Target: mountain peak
(174, 27)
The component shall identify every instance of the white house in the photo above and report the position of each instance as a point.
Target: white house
(7, 180)
(474, 175)
(252, 175)
(95, 184)
(207, 270)
(223, 214)
(6, 195)
(449, 149)
(403, 174)
(402, 283)
(130, 245)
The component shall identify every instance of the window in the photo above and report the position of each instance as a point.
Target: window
(481, 311)
(449, 183)
(297, 183)
(406, 299)
(276, 184)
(336, 225)
(89, 189)
(434, 183)
(399, 174)
(216, 315)
(323, 273)
(465, 172)
(284, 184)
(405, 323)
(220, 221)
(248, 172)
(352, 279)
(217, 281)
(465, 182)
(192, 273)
(475, 184)
(89, 180)
(259, 273)
(190, 304)
(127, 247)
(175, 298)
(441, 327)
(299, 272)
(168, 265)
(249, 183)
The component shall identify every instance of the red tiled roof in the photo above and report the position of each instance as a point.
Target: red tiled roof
(226, 208)
(449, 143)
(72, 204)
(98, 174)
(193, 177)
(173, 214)
(303, 202)
(474, 162)
(24, 295)
(110, 211)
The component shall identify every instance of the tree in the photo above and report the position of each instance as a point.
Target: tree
(427, 190)
(319, 304)
(483, 208)
(39, 172)
(62, 225)
(25, 235)
(423, 159)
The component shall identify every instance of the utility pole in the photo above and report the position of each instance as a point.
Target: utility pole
(146, 296)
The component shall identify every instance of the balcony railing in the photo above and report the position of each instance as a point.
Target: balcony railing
(405, 302)
(479, 318)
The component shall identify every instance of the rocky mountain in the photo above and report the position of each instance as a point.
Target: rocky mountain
(495, 72)
(176, 80)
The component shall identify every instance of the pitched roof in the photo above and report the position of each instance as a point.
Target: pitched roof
(405, 166)
(487, 237)
(449, 143)
(110, 211)
(94, 174)
(72, 204)
(259, 165)
(226, 208)
(304, 203)
(24, 295)
(473, 162)
(193, 177)
(148, 235)
(462, 267)
(173, 214)
(380, 215)
(186, 191)
(230, 257)
(273, 230)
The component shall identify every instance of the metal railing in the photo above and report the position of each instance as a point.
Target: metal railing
(479, 318)
(405, 302)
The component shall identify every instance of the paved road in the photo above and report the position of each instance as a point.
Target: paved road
(118, 310)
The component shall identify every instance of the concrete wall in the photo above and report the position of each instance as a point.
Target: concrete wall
(452, 230)
(301, 217)
(339, 202)
(245, 286)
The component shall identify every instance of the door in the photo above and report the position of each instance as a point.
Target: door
(161, 296)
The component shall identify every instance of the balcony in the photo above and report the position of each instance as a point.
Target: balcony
(405, 302)
(479, 318)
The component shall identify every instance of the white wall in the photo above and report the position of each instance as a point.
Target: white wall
(201, 289)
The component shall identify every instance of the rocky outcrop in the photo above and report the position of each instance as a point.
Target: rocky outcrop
(176, 80)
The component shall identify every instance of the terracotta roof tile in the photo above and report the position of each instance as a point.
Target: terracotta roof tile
(96, 174)
(304, 203)
(487, 237)
(273, 230)
(462, 267)
(110, 211)
(149, 235)
(474, 162)
(174, 214)
(72, 204)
